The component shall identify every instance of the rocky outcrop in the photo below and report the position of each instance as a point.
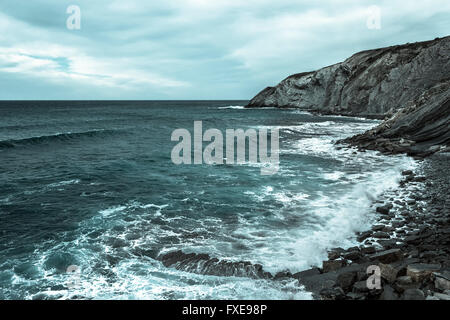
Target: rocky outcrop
(371, 83)
(413, 263)
(421, 128)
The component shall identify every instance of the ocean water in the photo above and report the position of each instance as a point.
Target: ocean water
(92, 185)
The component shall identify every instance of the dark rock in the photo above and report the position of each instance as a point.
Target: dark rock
(368, 250)
(387, 256)
(442, 280)
(421, 271)
(413, 294)
(360, 287)
(381, 235)
(332, 294)
(388, 293)
(346, 280)
(388, 272)
(383, 209)
(352, 255)
(307, 273)
(332, 265)
(364, 235)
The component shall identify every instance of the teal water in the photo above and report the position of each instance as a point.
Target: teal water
(92, 185)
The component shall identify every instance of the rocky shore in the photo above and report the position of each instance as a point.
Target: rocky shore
(410, 244)
(408, 86)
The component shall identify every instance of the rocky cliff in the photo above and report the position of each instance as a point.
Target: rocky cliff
(371, 83)
(421, 128)
(408, 85)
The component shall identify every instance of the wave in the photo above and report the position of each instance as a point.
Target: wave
(233, 107)
(59, 137)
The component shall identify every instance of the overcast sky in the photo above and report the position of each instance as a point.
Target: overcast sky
(192, 49)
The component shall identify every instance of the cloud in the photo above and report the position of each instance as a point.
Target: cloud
(192, 49)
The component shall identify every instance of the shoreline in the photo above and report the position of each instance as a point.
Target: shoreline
(410, 243)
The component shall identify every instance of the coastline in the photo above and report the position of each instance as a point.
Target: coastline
(409, 243)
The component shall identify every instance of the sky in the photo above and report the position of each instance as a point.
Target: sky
(192, 49)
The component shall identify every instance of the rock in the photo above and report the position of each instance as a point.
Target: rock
(442, 296)
(413, 294)
(383, 209)
(432, 298)
(364, 235)
(388, 272)
(356, 296)
(407, 172)
(387, 256)
(405, 280)
(388, 293)
(373, 83)
(442, 280)
(307, 273)
(381, 235)
(360, 287)
(353, 256)
(332, 293)
(420, 271)
(346, 280)
(378, 227)
(368, 250)
(331, 265)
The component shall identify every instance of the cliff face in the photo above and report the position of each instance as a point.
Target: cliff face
(372, 83)
(421, 128)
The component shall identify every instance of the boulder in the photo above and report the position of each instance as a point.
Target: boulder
(346, 280)
(421, 271)
(388, 293)
(388, 272)
(442, 296)
(332, 294)
(383, 209)
(413, 294)
(442, 280)
(387, 256)
(332, 265)
(360, 287)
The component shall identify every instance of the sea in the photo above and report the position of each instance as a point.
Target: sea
(90, 199)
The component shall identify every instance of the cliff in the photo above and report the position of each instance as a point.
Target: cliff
(407, 85)
(371, 83)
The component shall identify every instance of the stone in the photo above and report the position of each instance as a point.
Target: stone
(357, 296)
(421, 271)
(360, 287)
(405, 280)
(353, 256)
(387, 256)
(381, 235)
(442, 280)
(442, 296)
(307, 273)
(388, 272)
(413, 294)
(346, 280)
(368, 250)
(383, 209)
(332, 265)
(388, 293)
(332, 294)
(364, 235)
(378, 227)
